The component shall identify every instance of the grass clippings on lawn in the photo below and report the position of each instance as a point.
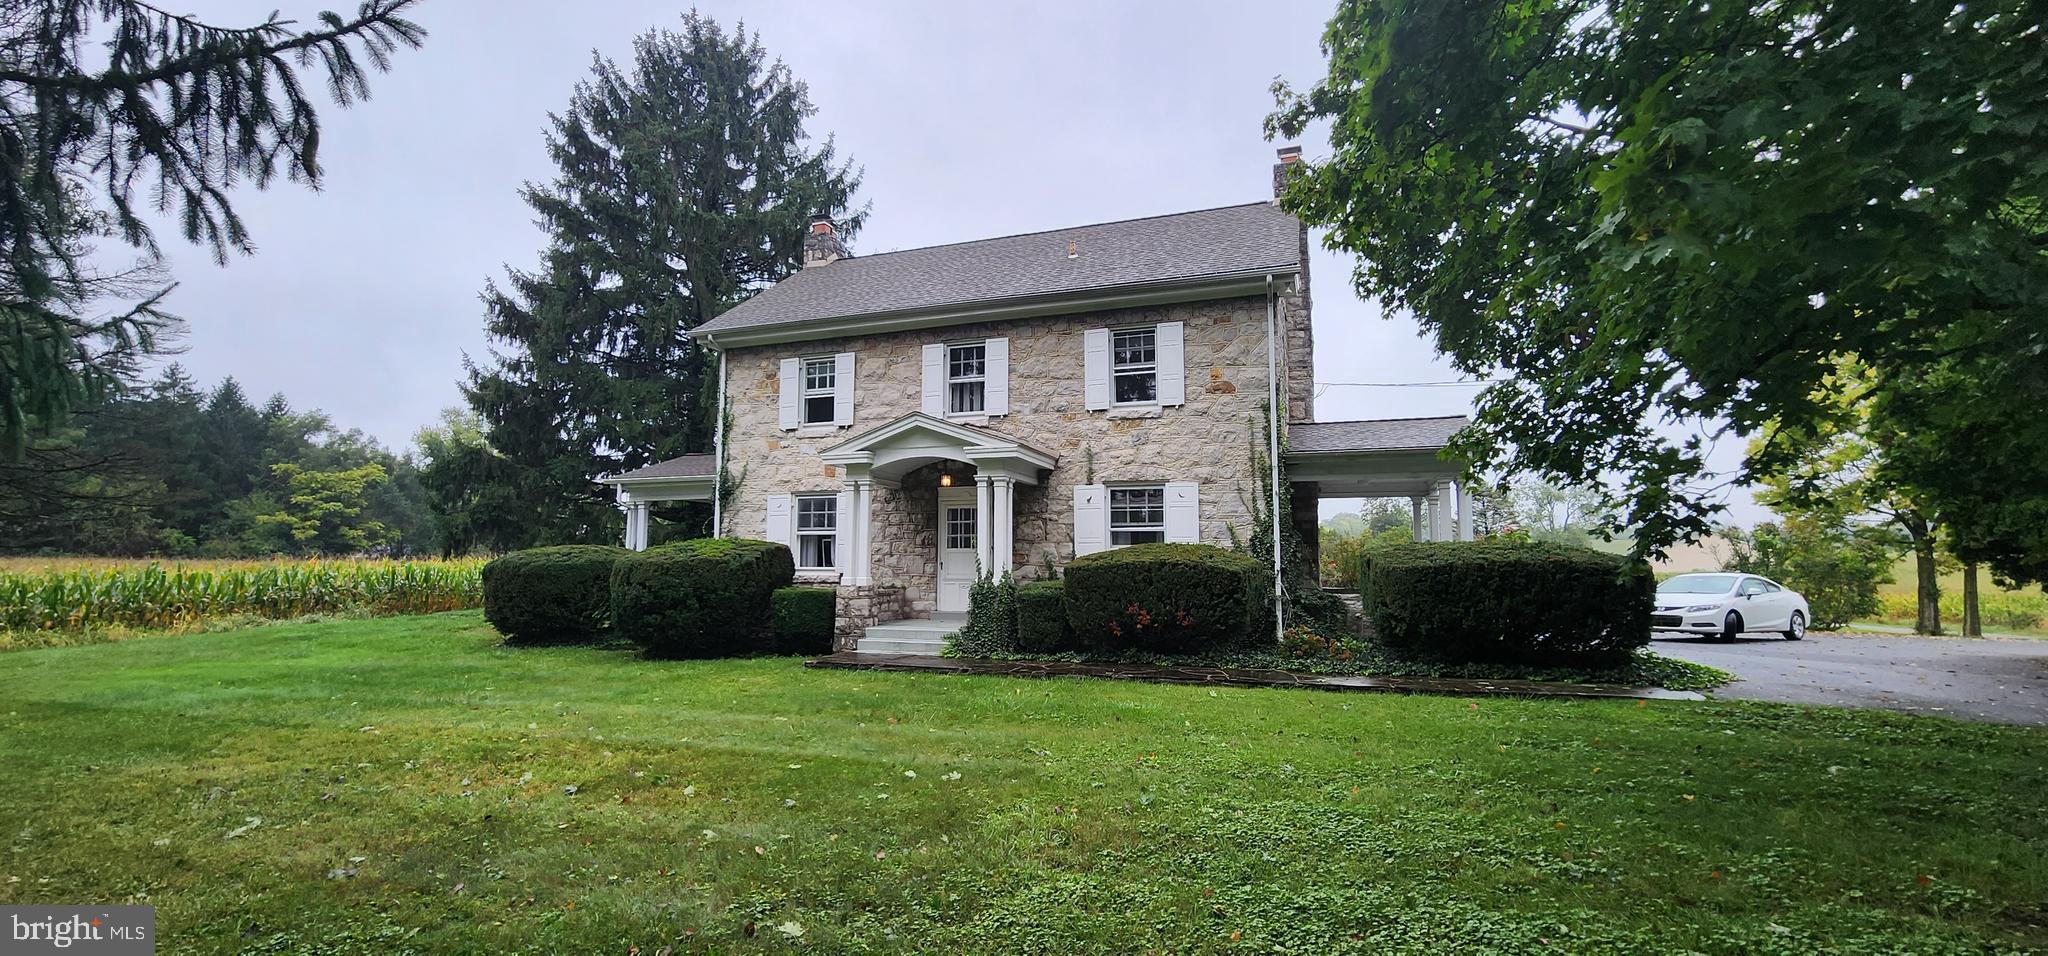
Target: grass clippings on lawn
(407, 785)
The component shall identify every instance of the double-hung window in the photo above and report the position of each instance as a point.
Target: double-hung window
(1137, 515)
(966, 379)
(817, 531)
(821, 381)
(1134, 365)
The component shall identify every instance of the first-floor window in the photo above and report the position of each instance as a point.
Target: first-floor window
(821, 380)
(817, 531)
(1137, 515)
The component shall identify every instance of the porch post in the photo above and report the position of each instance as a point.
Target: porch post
(1415, 520)
(982, 550)
(1441, 510)
(1003, 534)
(863, 518)
(636, 526)
(1464, 512)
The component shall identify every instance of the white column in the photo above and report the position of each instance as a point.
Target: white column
(1004, 530)
(981, 525)
(1464, 512)
(1441, 511)
(1415, 520)
(636, 526)
(863, 519)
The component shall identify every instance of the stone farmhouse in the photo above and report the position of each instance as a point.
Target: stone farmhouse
(909, 420)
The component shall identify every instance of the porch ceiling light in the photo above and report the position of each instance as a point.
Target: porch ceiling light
(945, 479)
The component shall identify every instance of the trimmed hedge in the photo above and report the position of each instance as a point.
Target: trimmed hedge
(1506, 603)
(801, 619)
(706, 597)
(558, 595)
(1167, 598)
(1042, 623)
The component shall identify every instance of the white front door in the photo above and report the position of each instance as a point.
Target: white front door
(956, 549)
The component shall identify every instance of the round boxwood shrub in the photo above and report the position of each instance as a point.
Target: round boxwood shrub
(1167, 598)
(1042, 623)
(1506, 603)
(559, 595)
(801, 619)
(706, 597)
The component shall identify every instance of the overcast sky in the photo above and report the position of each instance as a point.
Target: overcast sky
(970, 120)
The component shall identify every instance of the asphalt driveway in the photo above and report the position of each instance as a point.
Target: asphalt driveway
(2005, 681)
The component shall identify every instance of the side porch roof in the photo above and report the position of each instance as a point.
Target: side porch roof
(1374, 458)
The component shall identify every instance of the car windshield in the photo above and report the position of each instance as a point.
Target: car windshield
(1698, 584)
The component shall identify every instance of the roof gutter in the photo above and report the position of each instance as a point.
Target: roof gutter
(1221, 285)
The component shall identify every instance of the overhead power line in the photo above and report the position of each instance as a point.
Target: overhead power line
(1462, 381)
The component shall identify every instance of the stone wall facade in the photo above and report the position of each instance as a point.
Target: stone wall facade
(1208, 439)
(860, 608)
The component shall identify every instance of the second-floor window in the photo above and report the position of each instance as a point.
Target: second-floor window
(821, 379)
(817, 531)
(1137, 515)
(1134, 365)
(966, 379)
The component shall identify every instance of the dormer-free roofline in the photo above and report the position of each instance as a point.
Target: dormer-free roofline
(1221, 286)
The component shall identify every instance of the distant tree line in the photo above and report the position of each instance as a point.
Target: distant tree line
(168, 468)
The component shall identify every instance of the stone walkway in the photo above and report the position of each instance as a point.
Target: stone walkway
(1240, 677)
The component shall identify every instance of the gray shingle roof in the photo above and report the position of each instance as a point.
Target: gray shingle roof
(1190, 245)
(688, 466)
(1384, 434)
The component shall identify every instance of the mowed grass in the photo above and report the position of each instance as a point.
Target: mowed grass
(405, 784)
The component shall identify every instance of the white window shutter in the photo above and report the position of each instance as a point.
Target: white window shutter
(935, 380)
(1184, 512)
(842, 524)
(1091, 519)
(997, 392)
(781, 529)
(788, 395)
(842, 389)
(1173, 366)
(1095, 369)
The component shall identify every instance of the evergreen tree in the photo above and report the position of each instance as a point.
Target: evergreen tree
(684, 185)
(180, 109)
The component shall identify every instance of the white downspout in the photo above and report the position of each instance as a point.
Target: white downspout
(1273, 453)
(718, 456)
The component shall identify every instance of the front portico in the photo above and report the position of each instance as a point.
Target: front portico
(916, 448)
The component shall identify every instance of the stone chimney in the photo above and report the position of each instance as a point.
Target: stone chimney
(821, 244)
(1287, 168)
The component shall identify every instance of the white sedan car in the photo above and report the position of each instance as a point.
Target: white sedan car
(1728, 604)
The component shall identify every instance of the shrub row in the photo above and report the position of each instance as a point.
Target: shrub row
(1167, 598)
(709, 597)
(1506, 603)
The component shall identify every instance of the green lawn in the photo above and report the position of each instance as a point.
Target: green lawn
(404, 784)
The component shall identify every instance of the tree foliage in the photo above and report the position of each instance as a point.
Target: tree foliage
(1836, 566)
(684, 184)
(167, 468)
(166, 114)
(1663, 215)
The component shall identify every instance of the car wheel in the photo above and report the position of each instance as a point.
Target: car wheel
(1731, 627)
(1796, 628)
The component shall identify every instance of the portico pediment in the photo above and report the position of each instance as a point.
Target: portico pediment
(886, 452)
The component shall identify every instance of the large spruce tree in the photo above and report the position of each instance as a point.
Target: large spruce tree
(684, 186)
(102, 100)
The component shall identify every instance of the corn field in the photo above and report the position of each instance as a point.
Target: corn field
(97, 594)
(2001, 610)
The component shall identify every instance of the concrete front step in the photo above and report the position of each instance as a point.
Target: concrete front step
(908, 637)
